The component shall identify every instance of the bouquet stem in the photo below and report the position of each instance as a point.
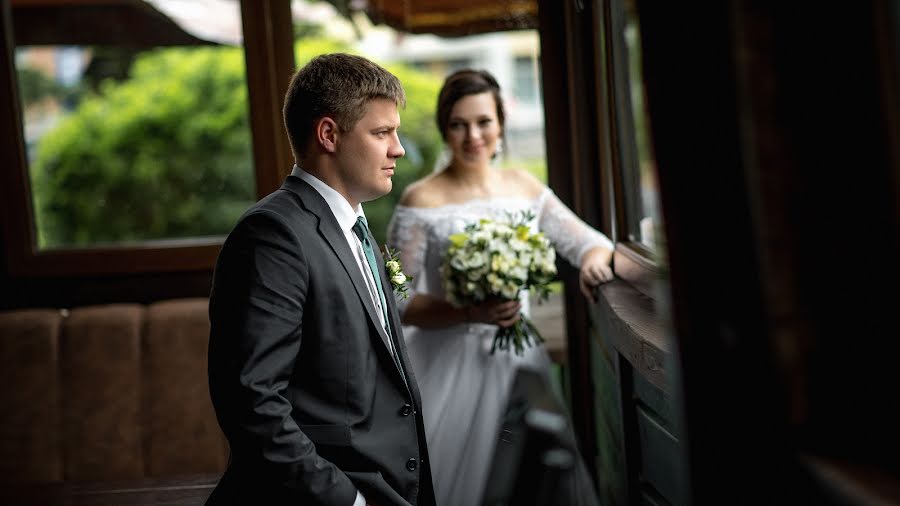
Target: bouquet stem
(520, 335)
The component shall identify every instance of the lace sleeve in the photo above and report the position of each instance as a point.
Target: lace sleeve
(407, 234)
(571, 236)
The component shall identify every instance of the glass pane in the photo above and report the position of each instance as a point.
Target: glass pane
(135, 133)
(642, 211)
(526, 87)
(421, 62)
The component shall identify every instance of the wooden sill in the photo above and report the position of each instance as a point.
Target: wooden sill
(633, 264)
(632, 322)
(150, 257)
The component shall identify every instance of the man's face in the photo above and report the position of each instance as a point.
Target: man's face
(367, 155)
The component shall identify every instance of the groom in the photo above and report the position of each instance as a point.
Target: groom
(308, 371)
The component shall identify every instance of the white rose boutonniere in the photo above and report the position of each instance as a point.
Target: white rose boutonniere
(395, 273)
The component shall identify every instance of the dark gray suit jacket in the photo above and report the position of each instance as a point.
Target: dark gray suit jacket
(300, 374)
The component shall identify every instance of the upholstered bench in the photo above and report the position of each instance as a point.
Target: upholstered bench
(112, 392)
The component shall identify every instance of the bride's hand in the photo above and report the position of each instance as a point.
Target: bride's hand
(500, 312)
(595, 269)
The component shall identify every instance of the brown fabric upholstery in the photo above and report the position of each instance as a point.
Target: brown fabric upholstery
(30, 441)
(101, 378)
(107, 393)
(180, 432)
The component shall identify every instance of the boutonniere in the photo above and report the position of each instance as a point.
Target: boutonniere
(395, 273)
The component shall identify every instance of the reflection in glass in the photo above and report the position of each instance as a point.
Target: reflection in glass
(644, 218)
(131, 140)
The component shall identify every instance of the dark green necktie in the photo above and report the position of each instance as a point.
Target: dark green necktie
(361, 228)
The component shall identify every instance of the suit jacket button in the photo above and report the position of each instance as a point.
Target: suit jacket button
(406, 410)
(412, 464)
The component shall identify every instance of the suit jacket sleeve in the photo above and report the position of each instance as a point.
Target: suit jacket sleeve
(256, 309)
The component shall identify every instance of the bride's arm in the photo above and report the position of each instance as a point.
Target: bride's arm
(577, 242)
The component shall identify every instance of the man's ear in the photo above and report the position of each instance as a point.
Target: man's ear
(327, 133)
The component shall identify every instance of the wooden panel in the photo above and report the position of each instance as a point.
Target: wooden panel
(455, 17)
(181, 491)
(567, 51)
(634, 265)
(269, 44)
(15, 202)
(84, 23)
(611, 469)
(656, 401)
(660, 459)
(150, 257)
(629, 320)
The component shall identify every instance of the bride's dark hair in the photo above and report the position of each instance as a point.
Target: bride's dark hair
(463, 83)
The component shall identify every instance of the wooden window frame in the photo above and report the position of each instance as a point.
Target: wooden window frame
(268, 50)
(586, 156)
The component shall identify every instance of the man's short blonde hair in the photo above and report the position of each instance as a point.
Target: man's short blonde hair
(339, 86)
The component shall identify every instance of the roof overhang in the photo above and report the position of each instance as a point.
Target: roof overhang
(452, 18)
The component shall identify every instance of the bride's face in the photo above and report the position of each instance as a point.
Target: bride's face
(474, 130)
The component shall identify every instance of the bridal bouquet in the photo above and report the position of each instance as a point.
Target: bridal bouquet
(500, 259)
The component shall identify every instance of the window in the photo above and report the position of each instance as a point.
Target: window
(441, 67)
(642, 219)
(138, 137)
(527, 76)
(169, 153)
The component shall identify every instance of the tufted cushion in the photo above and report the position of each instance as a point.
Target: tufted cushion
(30, 442)
(180, 433)
(109, 393)
(101, 387)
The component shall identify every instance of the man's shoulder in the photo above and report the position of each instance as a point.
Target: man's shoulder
(294, 196)
(280, 207)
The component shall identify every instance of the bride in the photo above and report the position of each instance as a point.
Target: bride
(464, 387)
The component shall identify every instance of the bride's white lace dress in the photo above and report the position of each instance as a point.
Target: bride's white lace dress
(464, 388)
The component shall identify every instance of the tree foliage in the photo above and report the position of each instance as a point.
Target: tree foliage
(34, 85)
(166, 153)
(163, 154)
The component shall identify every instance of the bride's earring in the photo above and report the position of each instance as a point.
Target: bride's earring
(499, 150)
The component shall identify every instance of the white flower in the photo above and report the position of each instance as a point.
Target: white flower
(477, 259)
(499, 259)
(510, 290)
(395, 273)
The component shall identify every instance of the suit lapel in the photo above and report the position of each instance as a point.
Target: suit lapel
(334, 236)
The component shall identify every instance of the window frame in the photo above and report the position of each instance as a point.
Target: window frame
(586, 157)
(633, 262)
(268, 52)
